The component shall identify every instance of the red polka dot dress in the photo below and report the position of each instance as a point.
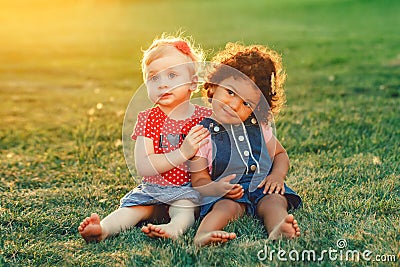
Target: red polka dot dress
(167, 135)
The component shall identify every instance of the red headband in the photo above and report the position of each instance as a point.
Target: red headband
(183, 47)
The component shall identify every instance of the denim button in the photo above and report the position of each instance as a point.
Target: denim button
(253, 167)
(241, 138)
(246, 153)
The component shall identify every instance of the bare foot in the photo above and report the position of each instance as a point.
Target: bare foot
(162, 230)
(90, 228)
(214, 237)
(288, 228)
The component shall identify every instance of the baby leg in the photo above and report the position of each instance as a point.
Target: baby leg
(210, 229)
(278, 223)
(92, 229)
(181, 213)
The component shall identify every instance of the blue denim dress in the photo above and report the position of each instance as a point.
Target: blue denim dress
(153, 194)
(241, 150)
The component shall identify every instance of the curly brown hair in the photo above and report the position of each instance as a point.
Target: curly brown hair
(259, 63)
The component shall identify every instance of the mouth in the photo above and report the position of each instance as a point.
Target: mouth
(229, 112)
(165, 95)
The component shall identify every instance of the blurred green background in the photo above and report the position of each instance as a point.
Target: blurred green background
(75, 46)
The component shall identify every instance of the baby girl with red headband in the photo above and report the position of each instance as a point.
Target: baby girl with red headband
(166, 137)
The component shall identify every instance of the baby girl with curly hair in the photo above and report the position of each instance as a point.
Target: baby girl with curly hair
(243, 166)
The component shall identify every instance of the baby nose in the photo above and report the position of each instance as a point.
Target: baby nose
(235, 103)
(162, 86)
(162, 83)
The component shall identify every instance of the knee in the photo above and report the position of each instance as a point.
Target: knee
(273, 199)
(229, 206)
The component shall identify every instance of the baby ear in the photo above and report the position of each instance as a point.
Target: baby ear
(193, 85)
(210, 94)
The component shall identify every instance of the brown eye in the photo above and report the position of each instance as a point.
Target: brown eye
(230, 92)
(247, 104)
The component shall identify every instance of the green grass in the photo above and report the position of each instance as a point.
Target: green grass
(61, 158)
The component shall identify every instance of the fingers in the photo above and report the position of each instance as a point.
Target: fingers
(193, 140)
(283, 190)
(196, 137)
(237, 188)
(236, 192)
(235, 195)
(196, 128)
(198, 133)
(262, 184)
(224, 187)
(267, 187)
(227, 187)
(274, 187)
(271, 185)
(202, 136)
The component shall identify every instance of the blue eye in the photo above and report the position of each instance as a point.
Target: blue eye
(153, 78)
(171, 75)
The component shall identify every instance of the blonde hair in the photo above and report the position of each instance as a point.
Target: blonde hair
(162, 45)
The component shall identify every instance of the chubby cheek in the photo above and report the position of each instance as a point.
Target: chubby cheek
(244, 117)
(152, 95)
(214, 105)
(180, 82)
(218, 108)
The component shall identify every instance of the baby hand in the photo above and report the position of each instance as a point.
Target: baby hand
(272, 184)
(236, 192)
(224, 188)
(193, 141)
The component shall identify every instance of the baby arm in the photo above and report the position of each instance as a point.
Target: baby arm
(202, 182)
(149, 163)
(274, 182)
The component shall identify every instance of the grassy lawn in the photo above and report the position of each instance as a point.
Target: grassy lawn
(61, 156)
